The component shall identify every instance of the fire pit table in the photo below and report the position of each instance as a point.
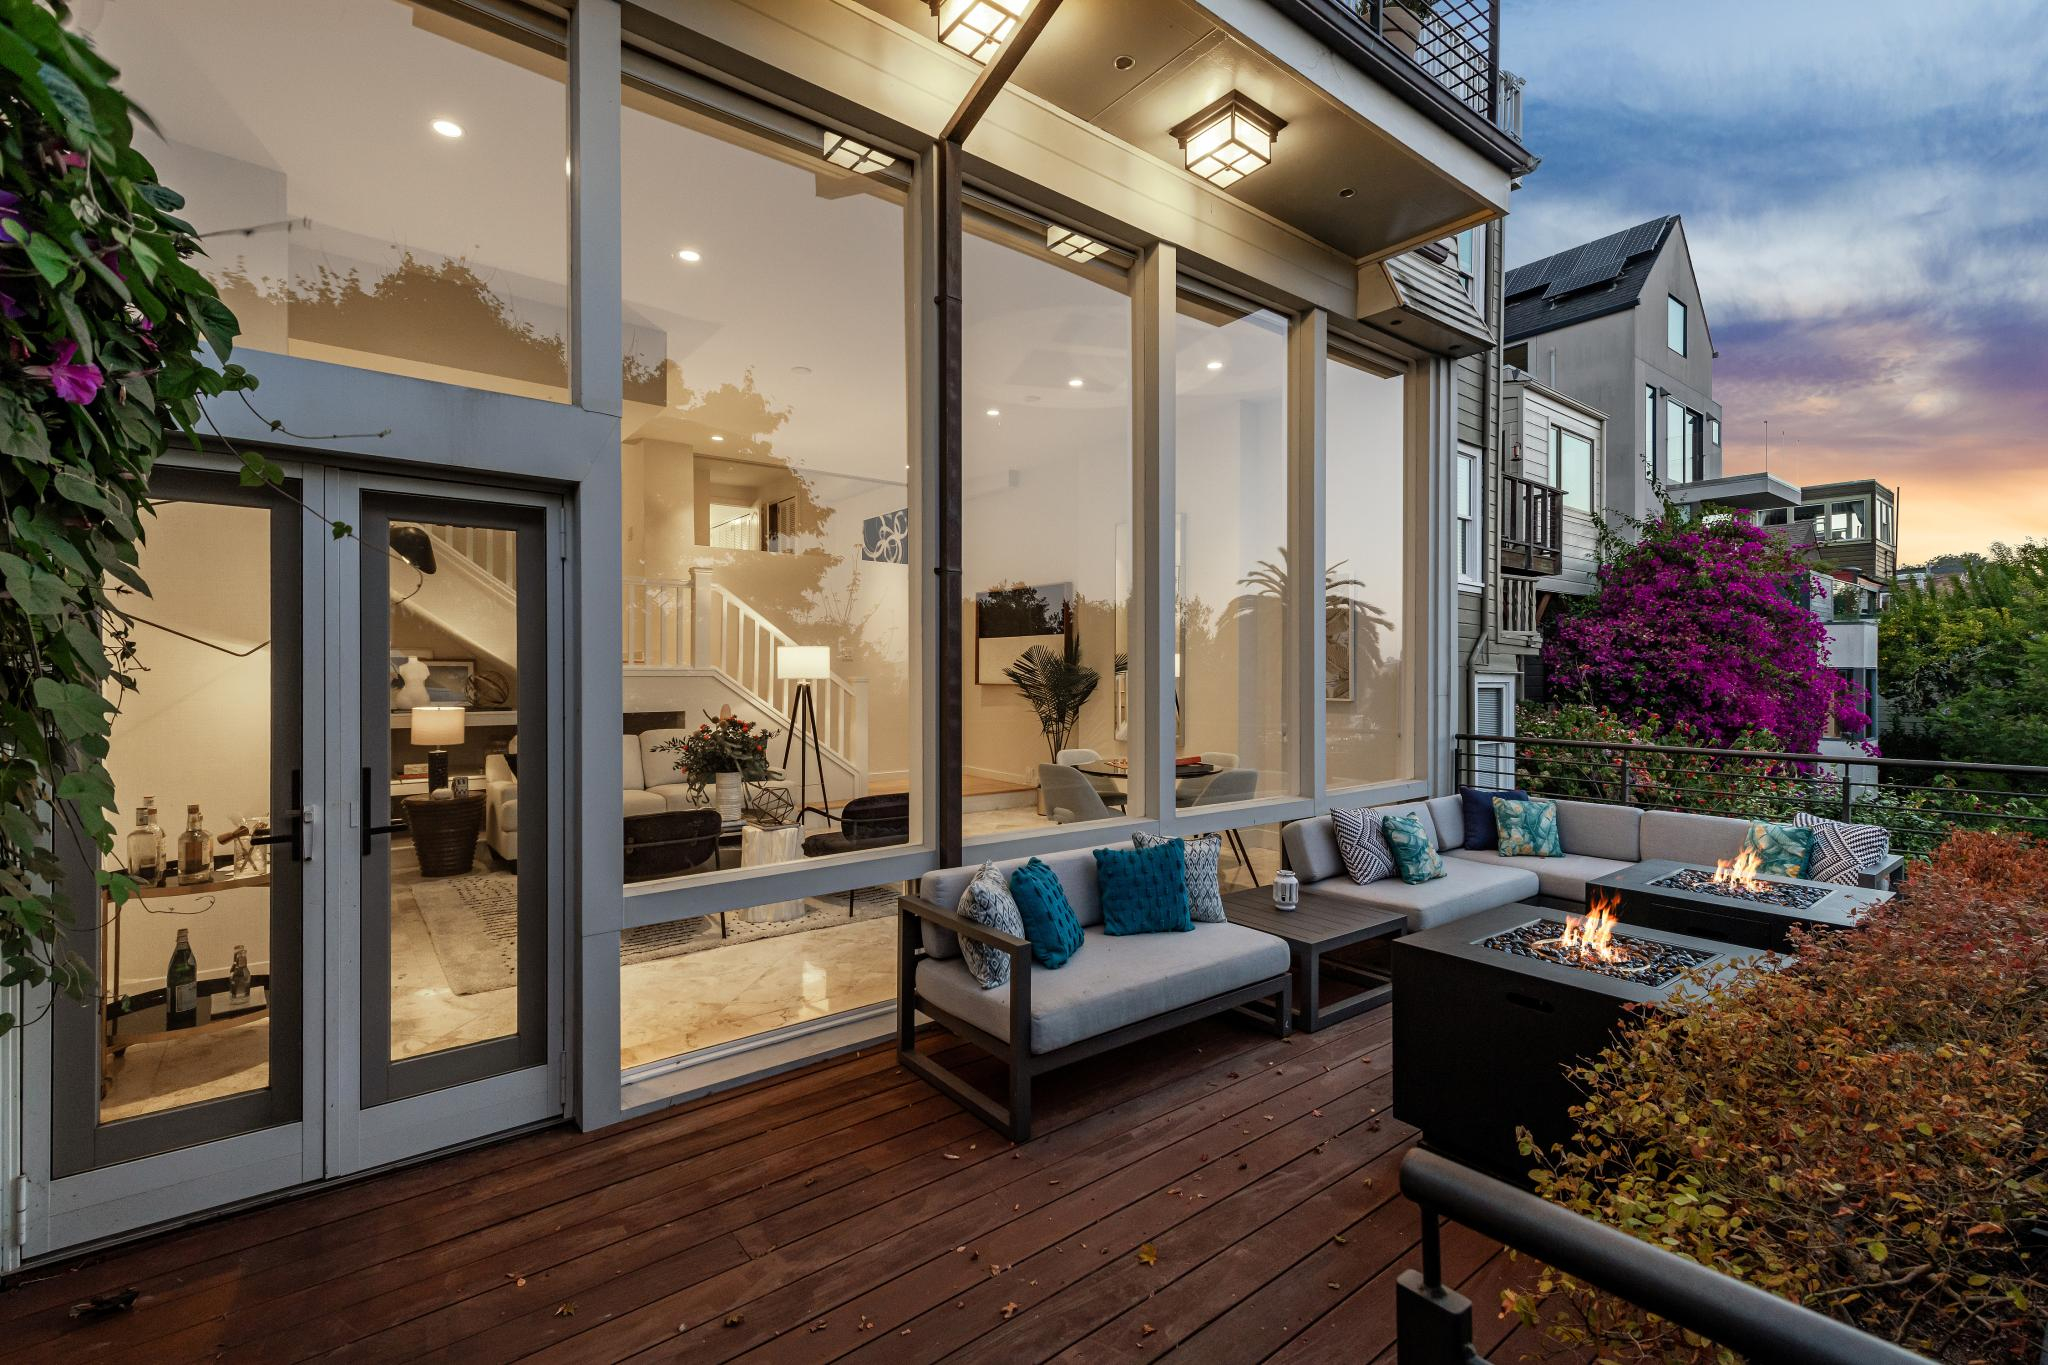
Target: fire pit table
(1491, 1010)
(1708, 902)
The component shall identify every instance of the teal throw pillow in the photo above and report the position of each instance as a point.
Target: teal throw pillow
(1049, 920)
(1528, 829)
(1781, 850)
(1143, 890)
(1414, 856)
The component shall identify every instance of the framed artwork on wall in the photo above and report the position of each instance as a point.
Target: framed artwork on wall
(1010, 620)
(448, 680)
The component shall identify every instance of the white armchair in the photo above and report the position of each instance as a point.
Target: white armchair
(501, 802)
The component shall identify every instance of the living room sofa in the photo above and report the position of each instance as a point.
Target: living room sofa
(653, 784)
(1114, 990)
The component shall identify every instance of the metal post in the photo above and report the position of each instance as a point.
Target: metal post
(951, 748)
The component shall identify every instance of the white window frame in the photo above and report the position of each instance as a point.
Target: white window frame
(1498, 759)
(1471, 521)
(1468, 255)
(1558, 432)
(1684, 320)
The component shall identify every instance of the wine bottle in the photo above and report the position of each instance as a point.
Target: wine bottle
(195, 850)
(163, 847)
(142, 850)
(238, 979)
(181, 986)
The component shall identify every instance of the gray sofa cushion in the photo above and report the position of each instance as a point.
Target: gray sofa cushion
(1420, 810)
(1311, 849)
(1466, 888)
(1564, 877)
(1601, 831)
(1448, 812)
(1112, 982)
(1687, 838)
(1075, 868)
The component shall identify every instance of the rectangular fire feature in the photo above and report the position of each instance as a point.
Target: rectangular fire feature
(1490, 1011)
(1756, 912)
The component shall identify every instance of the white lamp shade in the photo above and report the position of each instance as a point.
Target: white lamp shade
(803, 663)
(437, 726)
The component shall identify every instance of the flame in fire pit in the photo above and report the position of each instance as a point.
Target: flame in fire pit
(1590, 937)
(1741, 873)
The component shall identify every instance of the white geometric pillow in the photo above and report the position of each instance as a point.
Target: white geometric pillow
(1362, 845)
(1205, 884)
(1842, 851)
(987, 901)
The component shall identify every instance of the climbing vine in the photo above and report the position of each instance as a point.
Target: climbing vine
(104, 332)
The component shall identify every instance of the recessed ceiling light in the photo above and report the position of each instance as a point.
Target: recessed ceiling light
(689, 256)
(446, 127)
(1215, 364)
(1074, 383)
(799, 369)
(718, 438)
(1124, 62)
(995, 412)
(1346, 192)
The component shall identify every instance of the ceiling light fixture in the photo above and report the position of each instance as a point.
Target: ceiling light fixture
(718, 438)
(1215, 364)
(857, 157)
(1074, 383)
(689, 256)
(977, 27)
(995, 412)
(1061, 241)
(1229, 140)
(446, 127)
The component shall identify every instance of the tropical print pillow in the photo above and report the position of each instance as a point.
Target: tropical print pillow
(987, 901)
(1781, 850)
(1528, 829)
(1414, 855)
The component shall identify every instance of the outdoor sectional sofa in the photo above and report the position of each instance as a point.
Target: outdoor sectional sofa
(1598, 838)
(1115, 990)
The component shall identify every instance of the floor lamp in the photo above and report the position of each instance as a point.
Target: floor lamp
(804, 665)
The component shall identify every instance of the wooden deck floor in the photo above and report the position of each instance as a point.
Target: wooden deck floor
(1220, 1195)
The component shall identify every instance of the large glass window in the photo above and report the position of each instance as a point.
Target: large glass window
(1046, 510)
(1233, 670)
(1572, 458)
(1674, 324)
(1367, 700)
(1677, 450)
(1469, 483)
(416, 224)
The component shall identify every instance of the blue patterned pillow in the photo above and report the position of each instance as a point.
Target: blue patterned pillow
(1781, 850)
(1843, 852)
(1414, 855)
(1049, 921)
(1143, 890)
(987, 901)
(1362, 844)
(1528, 829)
(1200, 857)
(1477, 804)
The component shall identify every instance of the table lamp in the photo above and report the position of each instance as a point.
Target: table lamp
(435, 728)
(804, 665)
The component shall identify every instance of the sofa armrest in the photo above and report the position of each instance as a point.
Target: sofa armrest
(917, 907)
(497, 771)
(1885, 876)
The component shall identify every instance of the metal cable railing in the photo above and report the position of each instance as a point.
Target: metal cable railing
(1455, 42)
(1919, 801)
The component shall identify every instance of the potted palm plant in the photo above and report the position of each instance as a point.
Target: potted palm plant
(1056, 687)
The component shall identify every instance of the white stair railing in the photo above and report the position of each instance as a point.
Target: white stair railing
(490, 548)
(655, 629)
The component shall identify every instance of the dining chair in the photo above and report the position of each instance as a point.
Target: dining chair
(1189, 793)
(1108, 788)
(1232, 784)
(1069, 799)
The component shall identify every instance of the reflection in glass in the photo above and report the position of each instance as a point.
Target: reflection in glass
(416, 226)
(1367, 700)
(1047, 514)
(1232, 666)
(455, 671)
(185, 964)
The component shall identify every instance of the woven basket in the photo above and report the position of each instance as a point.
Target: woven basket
(444, 833)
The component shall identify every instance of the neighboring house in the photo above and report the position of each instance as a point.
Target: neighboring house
(1855, 525)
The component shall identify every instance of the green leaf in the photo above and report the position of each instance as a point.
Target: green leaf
(39, 592)
(49, 258)
(342, 530)
(92, 787)
(65, 94)
(216, 322)
(77, 710)
(162, 198)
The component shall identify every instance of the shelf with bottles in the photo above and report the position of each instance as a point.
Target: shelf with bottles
(218, 884)
(154, 860)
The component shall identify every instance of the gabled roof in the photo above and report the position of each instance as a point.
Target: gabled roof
(1583, 282)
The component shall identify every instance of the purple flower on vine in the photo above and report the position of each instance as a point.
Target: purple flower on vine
(9, 309)
(72, 383)
(10, 212)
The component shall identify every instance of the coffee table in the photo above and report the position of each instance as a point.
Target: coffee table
(1322, 923)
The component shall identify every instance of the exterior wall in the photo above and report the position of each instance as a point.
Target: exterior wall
(1528, 418)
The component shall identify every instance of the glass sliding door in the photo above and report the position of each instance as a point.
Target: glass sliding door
(193, 1034)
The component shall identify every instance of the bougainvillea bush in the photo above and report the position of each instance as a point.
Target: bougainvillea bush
(1703, 625)
(1862, 1130)
(101, 325)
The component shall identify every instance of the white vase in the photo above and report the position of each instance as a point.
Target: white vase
(412, 674)
(731, 794)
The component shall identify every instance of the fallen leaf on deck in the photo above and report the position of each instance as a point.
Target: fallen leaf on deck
(1334, 1285)
(1244, 1165)
(1010, 1310)
(565, 1310)
(100, 1305)
(817, 1326)
(951, 1157)
(1148, 1329)
(735, 1319)
(1339, 1239)
(1148, 1254)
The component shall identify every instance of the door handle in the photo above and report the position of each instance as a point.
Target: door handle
(298, 815)
(371, 831)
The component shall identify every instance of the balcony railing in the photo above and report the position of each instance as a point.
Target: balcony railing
(1920, 801)
(1456, 43)
(1531, 526)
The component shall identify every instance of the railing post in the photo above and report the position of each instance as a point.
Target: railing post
(1432, 1324)
(700, 618)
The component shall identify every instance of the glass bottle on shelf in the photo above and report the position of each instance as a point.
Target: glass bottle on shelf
(238, 979)
(142, 850)
(181, 986)
(163, 847)
(195, 850)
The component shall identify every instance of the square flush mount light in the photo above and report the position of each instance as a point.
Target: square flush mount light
(858, 157)
(977, 27)
(1229, 140)
(1066, 242)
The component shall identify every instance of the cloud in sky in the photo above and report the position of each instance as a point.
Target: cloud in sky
(1865, 190)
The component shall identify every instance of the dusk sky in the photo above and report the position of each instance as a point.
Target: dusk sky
(1865, 188)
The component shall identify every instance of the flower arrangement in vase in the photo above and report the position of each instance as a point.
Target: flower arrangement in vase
(724, 753)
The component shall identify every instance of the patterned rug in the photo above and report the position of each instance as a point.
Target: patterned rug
(474, 924)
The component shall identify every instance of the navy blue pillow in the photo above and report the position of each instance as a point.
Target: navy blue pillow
(1143, 890)
(1480, 831)
(1049, 920)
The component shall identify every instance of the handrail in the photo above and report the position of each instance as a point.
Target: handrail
(1757, 1324)
(1772, 755)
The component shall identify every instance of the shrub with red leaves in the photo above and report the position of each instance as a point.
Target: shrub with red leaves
(1863, 1130)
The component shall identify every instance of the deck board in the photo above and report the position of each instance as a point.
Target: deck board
(843, 1213)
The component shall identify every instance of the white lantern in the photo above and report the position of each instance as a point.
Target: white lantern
(977, 27)
(1229, 140)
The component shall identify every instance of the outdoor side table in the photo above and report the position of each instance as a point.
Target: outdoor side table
(444, 833)
(1321, 924)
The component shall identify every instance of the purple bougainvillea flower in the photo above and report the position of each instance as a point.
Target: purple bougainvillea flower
(70, 160)
(10, 212)
(72, 383)
(11, 310)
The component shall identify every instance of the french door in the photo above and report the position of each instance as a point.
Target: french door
(334, 784)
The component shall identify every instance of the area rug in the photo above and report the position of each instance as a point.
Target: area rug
(474, 924)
